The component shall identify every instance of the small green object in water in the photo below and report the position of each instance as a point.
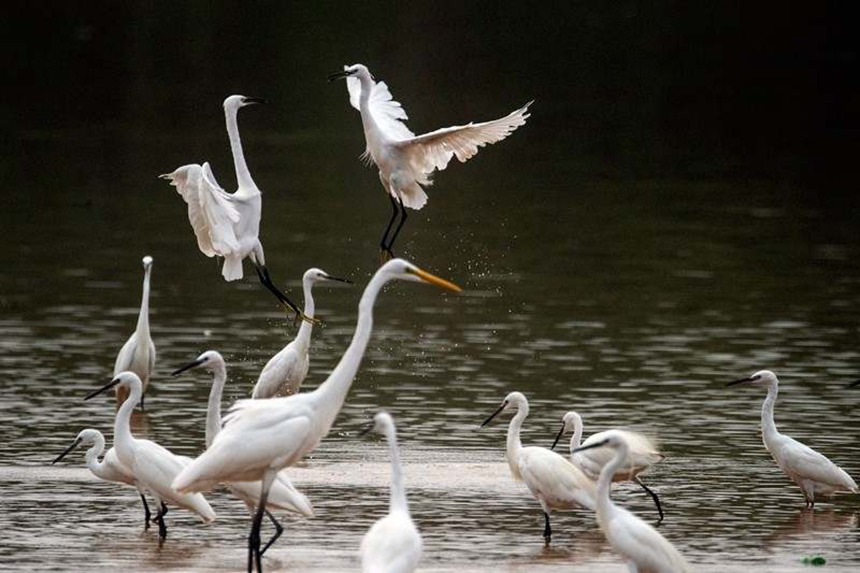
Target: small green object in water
(815, 560)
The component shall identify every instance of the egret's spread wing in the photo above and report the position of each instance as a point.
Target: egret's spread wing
(210, 209)
(387, 113)
(434, 150)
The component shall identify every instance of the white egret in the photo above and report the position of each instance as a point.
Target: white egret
(153, 466)
(642, 546)
(284, 373)
(138, 352)
(261, 437)
(642, 454)
(282, 495)
(406, 161)
(813, 473)
(228, 225)
(108, 469)
(392, 544)
(553, 481)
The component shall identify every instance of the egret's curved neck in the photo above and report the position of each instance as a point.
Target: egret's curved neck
(304, 335)
(143, 317)
(123, 439)
(367, 121)
(604, 482)
(213, 412)
(243, 176)
(398, 491)
(576, 439)
(768, 426)
(514, 445)
(93, 454)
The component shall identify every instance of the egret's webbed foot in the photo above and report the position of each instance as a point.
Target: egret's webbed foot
(266, 281)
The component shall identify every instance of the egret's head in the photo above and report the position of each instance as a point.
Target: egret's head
(761, 378)
(570, 421)
(84, 437)
(123, 380)
(356, 70)
(147, 262)
(237, 101)
(406, 271)
(382, 421)
(211, 359)
(314, 275)
(514, 400)
(613, 440)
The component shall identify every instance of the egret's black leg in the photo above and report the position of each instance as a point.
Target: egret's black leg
(279, 529)
(547, 530)
(254, 554)
(146, 514)
(399, 226)
(653, 496)
(383, 243)
(266, 281)
(142, 408)
(162, 528)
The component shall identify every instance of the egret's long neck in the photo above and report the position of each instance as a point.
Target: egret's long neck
(243, 176)
(367, 121)
(143, 317)
(604, 482)
(330, 395)
(93, 454)
(213, 412)
(398, 491)
(304, 335)
(514, 445)
(576, 439)
(123, 439)
(768, 426)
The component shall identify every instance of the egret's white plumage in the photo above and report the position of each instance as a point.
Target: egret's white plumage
(284, 373)
(642, 454)
(392, 544)
(227, 225)
(261, 437)
(642, 546)
(138, 352)
(814, 474)
(406, 161)
(553, 481)
(153, 466)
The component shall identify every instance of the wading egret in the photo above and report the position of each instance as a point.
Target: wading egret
(282, 495)
(813, 473)
(392, 544)
(284, 373)
(642, 454)
(638, 543)
(553, 481)
(406, 162)
(228, 225)
(152, 465)
(110, 468)
(138, 352)
(261, 437)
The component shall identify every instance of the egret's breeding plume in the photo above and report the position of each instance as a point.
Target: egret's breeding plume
(110, 468)
(393, 542)
(642, 454)
(406, 161)
(138, 353)
(284, 373)
(152, 466)
(554, 482)
(638, 543)
(282, 495)
(261, 437)
(228, 225)
(814, 474)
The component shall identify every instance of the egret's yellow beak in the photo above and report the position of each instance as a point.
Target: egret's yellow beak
(434, 280)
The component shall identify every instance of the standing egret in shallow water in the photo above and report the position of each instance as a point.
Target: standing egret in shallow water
(138, 352)
(152, 466)
(406, 162)
(228, 225)
(110, 468)
(261, 437)
(813, 473)
(393, 544)
(284, 373)
(640, 544)
(282, 495)
(554, 481)
(641, 454)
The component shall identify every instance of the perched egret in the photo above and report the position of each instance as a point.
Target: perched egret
(284, 373)
(813, 473)
(261, 437)
(282, 495)
(640, 544)
(392, 544)
(152, 466)
(138, 352)
(406, 162)
(642, 455)
(110, 468)
(228, 225)
(553, 481)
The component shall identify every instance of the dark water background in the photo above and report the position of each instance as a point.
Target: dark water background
(679, 211)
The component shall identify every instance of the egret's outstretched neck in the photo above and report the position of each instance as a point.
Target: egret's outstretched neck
(93, 454)
(576, 439)
(304, 335)
(243, 176)
(143, 317)
(768, 426)
(122, 425)
(398, 491)
(213, 413)
(514, 445)
(604, 482)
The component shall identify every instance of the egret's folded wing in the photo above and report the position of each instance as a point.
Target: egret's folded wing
(434, 150)
(803, 461)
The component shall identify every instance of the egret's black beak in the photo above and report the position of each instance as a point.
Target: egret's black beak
(494, 414)
(188, 366)
(339, 75)
(67, 450)
(366, 429)
(250, 100)
(589, 446)
(558, 437)
(338, 279)
(107, 386)
(742, 380)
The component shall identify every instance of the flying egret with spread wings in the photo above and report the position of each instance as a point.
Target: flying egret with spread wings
(138, 352)
(228, 225)
(406, 162)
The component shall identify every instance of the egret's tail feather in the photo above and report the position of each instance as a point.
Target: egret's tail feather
(413, 197)
(232, 269)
